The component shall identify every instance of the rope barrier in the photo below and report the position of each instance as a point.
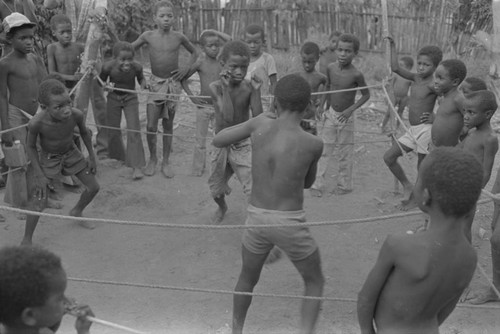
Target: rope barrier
(218, 227)
(143, 92)
(14, 128)
(109, 324)
(241, 293)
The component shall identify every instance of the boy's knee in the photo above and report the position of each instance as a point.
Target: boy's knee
(94, 188)
(389, 158)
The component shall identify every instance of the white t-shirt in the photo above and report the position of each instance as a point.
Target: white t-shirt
(263, 67)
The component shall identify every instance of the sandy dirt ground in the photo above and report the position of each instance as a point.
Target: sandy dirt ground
(211, 258)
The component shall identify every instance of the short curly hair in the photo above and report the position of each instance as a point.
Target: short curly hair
(349, 38)
(59, 19)
(48, 88)
(162, 4)
(433, 52)
(485, 99)
(237, 48)
(476, 83)
(293, 93)
(253, 29)
(454, 179)
(122, 46)
(456, 69)
(310, 48)
(25, 278)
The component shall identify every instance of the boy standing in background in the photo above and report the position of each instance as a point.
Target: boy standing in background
(262, 63)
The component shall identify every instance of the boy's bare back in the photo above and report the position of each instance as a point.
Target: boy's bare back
(283, 164)
(428, 272)
(163, 50)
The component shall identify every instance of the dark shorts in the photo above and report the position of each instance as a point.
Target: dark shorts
(296, 241)
(69, 163)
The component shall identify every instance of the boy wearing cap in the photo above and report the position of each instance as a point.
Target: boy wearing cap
(21, 72)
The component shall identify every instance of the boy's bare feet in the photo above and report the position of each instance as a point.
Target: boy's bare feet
(83, 223)
(316, 192)
(218, 215)
(167, 170)
(137, 174)
(407, 205)
(150, 168)
(2, 219)
(483, 296)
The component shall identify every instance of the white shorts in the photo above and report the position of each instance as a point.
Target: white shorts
(417, 138)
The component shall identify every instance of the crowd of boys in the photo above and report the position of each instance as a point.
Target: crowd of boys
(271, 146)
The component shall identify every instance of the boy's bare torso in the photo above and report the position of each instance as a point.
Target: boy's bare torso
(56, 137)
(163, 51)
(121, 79)
(448, 121)
(475, 142)
(208, 70)
(430, 272)
(67, 59)
(342, 78)
(240, 97)
(422, 99)
(282, 155)
(23, 77)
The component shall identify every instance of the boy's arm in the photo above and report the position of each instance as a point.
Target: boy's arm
(234, 133)
(141, 79)
(7, 137)
(369, 294)
(40, 180)
(311, 173)
(324, 97)
(179, 74)
(490, 150)
(255, 98)
(87, 139)
(194, 68)
(140, 41)
(365, 96)
(272, 73)
(223, 36)
(395, 63)
(221, 100)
